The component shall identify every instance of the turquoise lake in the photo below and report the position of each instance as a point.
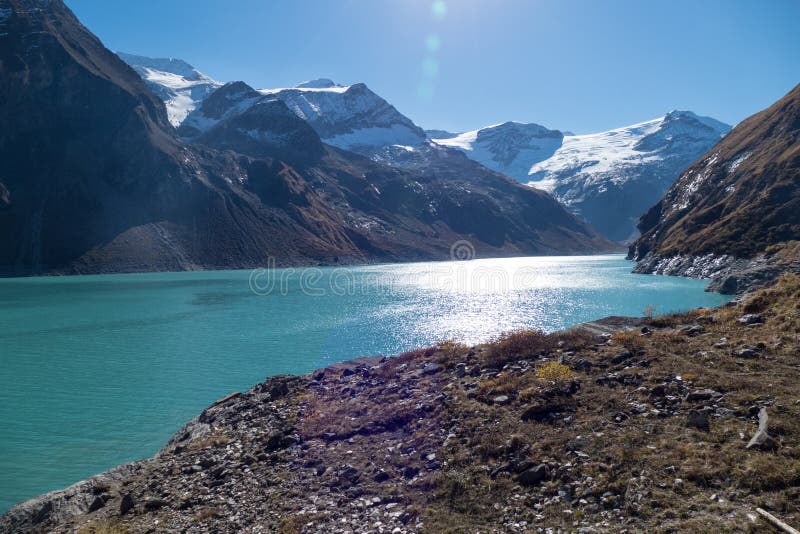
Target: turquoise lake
(100, 370)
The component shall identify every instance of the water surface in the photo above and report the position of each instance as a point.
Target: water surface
(100, 370)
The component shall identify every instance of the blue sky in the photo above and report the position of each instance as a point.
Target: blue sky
(579, 65)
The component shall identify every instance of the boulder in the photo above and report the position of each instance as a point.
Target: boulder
(761, 439)
(698, 420)
(539, 411)
(126, 504)
(751, 318)
(702, 395)
(534, 475)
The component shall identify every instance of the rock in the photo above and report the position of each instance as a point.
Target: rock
(410, 471)
(277, 440)
(746, 353)
(126, 504)
(702, 395)
(761, 439)
(461, 370)
(694, 330)
(583, 365)
(698, 420)
(659, 391)
(381, 476)
(751, 318)
(98, 503)
(431, 368)
(500, 399)
(539, 411)
(534, 475)
(154, 504)
(623, 355)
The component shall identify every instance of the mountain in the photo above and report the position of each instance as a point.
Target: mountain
(351, 117)
(181, 86)
(510, 147)
(93, 178)
(608, 178)
(739, 200)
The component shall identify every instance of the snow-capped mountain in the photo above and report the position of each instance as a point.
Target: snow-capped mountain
(237, 117)
(181, 86)
(351, 117)
(510, 147)
(609, 178)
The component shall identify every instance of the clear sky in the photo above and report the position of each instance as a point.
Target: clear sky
(579, 65)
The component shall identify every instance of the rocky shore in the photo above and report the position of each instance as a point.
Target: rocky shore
(728, 275)
(621, 425)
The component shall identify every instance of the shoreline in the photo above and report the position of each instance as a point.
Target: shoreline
(350, 411)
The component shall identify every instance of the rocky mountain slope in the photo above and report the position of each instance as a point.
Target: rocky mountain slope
(94, 179)
(521, 435)
(609, 178)
(740, 200)
(181, 86)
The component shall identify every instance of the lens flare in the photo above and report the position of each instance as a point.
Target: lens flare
(439, 9)
(433, 43)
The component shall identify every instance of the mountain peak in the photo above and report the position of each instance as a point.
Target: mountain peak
(181, 86)
(175, 66)
(319, 83)
(677, 115)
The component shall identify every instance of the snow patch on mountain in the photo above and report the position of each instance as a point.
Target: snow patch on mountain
(510, 147)
(177, 83)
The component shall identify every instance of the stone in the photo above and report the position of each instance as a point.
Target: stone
(698, 420)
(761, 439)
(381, 476)
(431, 368)
(126, 504)
(98, 503)
(154, 504)
(461, 370)
(695, 330)
(500, 399)
(751, 318)
(623, 355)
(539, 411)
(746, 353)
(582, 365)
(702, 395)
(277, 440)
(534, 475)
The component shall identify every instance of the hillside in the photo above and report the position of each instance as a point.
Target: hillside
(741, 197)
(644, 426)
(93, 178)
(739, 201)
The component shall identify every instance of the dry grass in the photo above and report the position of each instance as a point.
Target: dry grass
(554, 372)
(674, 470)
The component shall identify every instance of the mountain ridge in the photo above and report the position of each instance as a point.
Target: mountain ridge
(609, 178)
(736, 208)
(93, 179)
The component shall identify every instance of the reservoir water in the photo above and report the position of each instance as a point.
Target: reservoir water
(100, 370)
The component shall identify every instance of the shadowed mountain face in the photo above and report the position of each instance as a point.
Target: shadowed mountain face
(94, 179)
(738, 199)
